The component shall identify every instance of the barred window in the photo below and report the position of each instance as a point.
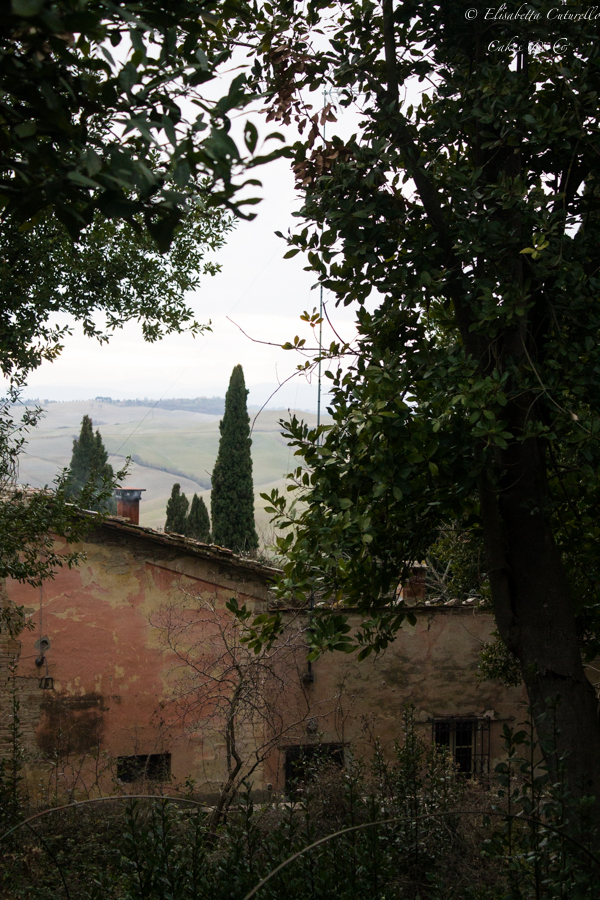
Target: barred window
(468, 740)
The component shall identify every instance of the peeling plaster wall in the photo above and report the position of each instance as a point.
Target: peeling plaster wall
(111, 672)
(107, 661)
(431, 666)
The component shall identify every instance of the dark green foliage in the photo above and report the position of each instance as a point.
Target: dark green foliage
(43, 273)
(114, 269)
(369, 863)
(83, 458)
(456, 566)
(165, 851)
(198, 522)
(232, 495)
(448, 839)
(89, 464)
(177, 510)
(461, 223)
(561, 861)
(89, 201)
(497, 663)
(82, 126)
(390, 473)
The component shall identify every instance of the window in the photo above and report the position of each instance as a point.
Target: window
(468, 740)
(301, 762)
(152, 766)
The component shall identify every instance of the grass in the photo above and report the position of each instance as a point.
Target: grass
(166, 445)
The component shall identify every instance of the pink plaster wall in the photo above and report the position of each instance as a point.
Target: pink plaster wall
(113, 677)
(109, 667)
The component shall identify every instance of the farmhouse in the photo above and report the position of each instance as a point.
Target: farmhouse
(129, 673)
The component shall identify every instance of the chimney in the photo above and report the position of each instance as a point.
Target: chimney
(414, 588)
(128, 503)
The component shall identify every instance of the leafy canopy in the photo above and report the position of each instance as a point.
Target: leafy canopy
(112, 272)
(111, 275)
(99, 165)
(462, 223)
(105, 107)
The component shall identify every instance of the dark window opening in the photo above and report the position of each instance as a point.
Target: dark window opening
(152, 766)
(468, 740)
(302, 763)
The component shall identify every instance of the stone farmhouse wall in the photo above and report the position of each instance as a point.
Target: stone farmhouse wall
(100, 702)
(430, 668)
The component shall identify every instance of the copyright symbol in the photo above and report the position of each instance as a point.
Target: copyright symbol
(471, 14)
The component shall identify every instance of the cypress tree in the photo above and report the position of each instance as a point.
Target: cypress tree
(198, 523)
(89, 463)
(232, 495)
(177, 508)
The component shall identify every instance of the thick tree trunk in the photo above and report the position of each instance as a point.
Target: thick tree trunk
(531, 598)
(535, 616)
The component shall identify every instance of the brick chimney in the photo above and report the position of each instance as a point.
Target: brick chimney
(414, 588)
(128, 503)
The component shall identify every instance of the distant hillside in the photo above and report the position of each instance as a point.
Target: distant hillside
(213, 406)
(166, 446)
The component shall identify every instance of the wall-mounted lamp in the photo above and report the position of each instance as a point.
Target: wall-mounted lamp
(42, 645)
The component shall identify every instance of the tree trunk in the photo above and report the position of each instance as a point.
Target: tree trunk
(535, 616)
(530, 593)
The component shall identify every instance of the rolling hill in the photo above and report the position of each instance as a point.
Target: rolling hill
(165, 446)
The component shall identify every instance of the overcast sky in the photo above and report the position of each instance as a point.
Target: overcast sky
(257, 289)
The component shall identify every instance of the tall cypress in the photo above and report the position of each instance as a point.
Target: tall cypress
(232, 495)
(198, 523)
(177, 509)
(89, 462)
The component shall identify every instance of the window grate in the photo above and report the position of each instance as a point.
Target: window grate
(468, 740)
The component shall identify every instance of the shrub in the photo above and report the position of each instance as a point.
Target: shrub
(409, 828)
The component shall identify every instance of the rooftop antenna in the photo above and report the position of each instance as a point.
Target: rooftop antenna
(320, 316)
(310, 674)
(320, 347)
